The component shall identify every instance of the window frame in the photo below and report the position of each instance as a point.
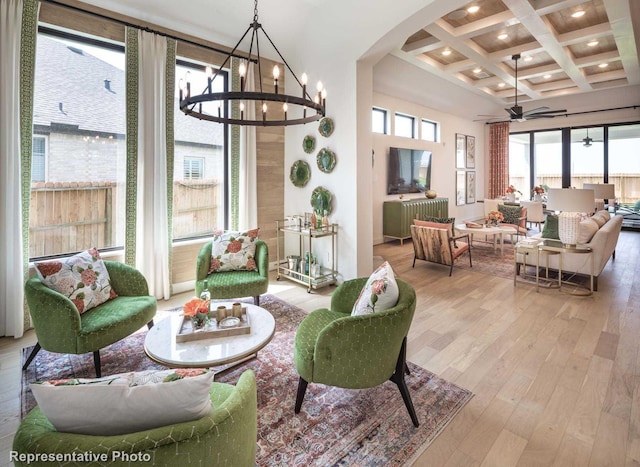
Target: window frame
(385, 121)
(435, 127)
(45, 139)
(413, 124)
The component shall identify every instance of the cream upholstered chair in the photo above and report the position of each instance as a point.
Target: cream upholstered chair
(535, 213)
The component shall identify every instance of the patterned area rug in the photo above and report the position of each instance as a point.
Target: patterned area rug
(487, 261)
(335, 426)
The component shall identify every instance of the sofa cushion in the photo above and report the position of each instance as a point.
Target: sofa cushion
(125, 403)
(586, 230)
(551, 227)
(379, 293)
(83, 278)
(511, 214)
(605, 214)
(599, 218)
(233, 251)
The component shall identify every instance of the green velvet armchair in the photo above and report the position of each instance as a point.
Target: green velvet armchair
(355, 352)
(61, 328)
(234, 284)
(227, 436)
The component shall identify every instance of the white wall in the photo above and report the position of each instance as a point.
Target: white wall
(443, 169)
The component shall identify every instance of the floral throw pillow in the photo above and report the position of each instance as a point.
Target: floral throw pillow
(83, 278)
(233, 251)
(126, 402)
(379, 293)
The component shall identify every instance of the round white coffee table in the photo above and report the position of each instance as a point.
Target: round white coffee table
(161, 346)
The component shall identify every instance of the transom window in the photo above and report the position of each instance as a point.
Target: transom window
(379, 121)
(405, 125)
(429, 130)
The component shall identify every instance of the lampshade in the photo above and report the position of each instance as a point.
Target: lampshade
(602, 190)
(571, 200)
(571, 203)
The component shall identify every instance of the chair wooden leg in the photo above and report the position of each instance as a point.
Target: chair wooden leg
(414, 262)
(150, 324)
(256, 300)
(398, 378)
(470, 265)
(32, 355)
(96, 362)
(302, 389)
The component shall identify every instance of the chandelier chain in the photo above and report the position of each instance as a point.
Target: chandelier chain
(255, 11)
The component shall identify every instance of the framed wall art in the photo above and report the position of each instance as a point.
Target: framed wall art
(471, 152)
(461, 145)
(461, 188)
(471, 186)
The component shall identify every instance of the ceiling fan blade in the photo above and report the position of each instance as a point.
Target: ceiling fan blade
(535, 116)
(560, 111)
(512, 113)
(535, 111)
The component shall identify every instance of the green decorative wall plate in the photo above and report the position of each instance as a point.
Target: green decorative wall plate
(300, 173)
(326, 160)
(325, 127)
(309, 144)
(321, 200)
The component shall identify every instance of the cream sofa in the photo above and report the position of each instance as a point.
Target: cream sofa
(603, 244)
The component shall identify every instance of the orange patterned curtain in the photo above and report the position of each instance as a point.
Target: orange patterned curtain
(498, 159)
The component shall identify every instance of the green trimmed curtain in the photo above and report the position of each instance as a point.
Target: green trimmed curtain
(150, 156)
(18, 31)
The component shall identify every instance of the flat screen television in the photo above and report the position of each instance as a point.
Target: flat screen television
(408, 171)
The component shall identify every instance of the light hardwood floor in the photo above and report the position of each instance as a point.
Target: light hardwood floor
(556, 377)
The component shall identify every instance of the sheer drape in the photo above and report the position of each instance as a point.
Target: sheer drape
(498, 159)
(152, 230)
(247, 177)
(18, 21)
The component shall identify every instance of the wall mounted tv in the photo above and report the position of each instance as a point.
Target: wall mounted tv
(408, 171)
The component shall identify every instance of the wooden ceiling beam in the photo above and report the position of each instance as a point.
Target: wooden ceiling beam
(620, 18)
(597, 59)
(584, 35)
(485, 25)
(422, 45)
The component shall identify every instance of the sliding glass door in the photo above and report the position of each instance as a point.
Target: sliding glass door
(587, 156)
(624, 162)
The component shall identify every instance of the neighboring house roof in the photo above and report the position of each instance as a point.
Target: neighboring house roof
(90, 95)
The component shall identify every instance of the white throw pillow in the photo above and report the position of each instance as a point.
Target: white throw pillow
(586, 230)
(599, 218)
(379, 293)
(233, 251)
(125, 403)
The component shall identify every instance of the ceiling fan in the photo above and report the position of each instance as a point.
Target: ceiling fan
(588, 141)
(517, 113)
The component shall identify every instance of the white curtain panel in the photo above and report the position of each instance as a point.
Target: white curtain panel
(247, 183)
(11, 266)
(152, 251)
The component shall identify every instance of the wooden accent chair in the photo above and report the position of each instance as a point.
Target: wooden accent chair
(436, 243)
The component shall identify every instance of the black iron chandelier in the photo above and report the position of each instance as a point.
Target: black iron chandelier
(294, 109)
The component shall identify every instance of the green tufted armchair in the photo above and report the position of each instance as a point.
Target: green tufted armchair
(227, 436)
(234, 284)
(355, 352)
(61, 328)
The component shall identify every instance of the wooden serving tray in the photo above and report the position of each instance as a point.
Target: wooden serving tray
(187, 334)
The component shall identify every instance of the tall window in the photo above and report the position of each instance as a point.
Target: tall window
(520, 162)
(379, 121)
(429, 130)
(547, 158)
(38, 154)
(587, 156)
(79, 127)
(405, 125)
(199, 179)
(624, 162)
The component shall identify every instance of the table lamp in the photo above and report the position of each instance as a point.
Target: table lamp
(603, 192)
(571, 203)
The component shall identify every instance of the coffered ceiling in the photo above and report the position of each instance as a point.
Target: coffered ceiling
(567, 47)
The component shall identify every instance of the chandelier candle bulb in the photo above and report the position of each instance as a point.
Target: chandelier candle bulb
(303, 80)
(319, 87)
(242, 70)
(276, 75)
(324, 97)
(285, 107)
(241, 110)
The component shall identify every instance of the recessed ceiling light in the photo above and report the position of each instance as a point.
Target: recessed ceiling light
(477, 70)
(500, 85)
(577, 14)
(457, 14)
(603, 65)
(592, 43)
(473, 9)
(503, 36)
(446, 52)
(528, 58)
(547, 76)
